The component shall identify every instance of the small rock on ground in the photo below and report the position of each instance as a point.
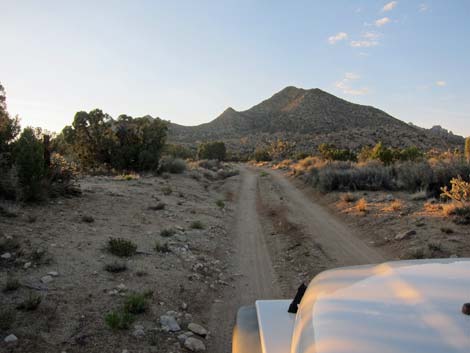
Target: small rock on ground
(11, 338)
(197, 329)
(194, 345)
(169, 323)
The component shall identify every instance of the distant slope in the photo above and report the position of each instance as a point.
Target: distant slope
(311, 117)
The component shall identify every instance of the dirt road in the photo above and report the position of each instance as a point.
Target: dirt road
(281, 238)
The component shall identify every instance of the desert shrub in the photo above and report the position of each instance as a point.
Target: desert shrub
(62, 177)
(136, 303)
(410, 154)
(197, 225)
(261, 154)
(31, 303)
(444, 172)
(413, 176)
(447, 230)
(178, 151)
(29, 160)
(346, 176)
(172, 165)
(121, 247)
(459, 192)
(168, 232)
(7, 318)
(115, 267)
(212, 150)
(158, 207)
(119, 320)
(220, 203)
(162, 247)
(11, 284)
(87, 219)
(330, 152)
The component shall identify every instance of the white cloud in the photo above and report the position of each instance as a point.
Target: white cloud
(390, 6)
(382, 21)
(369, 39)
(364, 43)
(441, 83)
(338, 37)
(371, 35)
(423, 7)
(345, 85)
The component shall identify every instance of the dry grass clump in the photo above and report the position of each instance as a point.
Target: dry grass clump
(162, 247)
(121, 247)
(117, 320)
(127, 177)
(362, 205)
(394, 206)
(115, 267)
(168, 232)
(432, 207)
(197, 225)
(449, 209)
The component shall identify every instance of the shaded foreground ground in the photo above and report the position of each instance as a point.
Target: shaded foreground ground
(263, 235)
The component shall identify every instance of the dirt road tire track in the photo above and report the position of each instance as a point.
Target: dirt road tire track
(252, 260)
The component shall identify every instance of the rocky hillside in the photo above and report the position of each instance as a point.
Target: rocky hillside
(309, 118)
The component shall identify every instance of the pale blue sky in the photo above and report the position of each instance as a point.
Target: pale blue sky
(187, 61)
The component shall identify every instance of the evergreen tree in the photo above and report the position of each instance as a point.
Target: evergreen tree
(467, 149)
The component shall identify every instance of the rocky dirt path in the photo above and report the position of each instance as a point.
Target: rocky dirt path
(280, 238)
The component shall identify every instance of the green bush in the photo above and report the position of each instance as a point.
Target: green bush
(172, 165)
(31, 303)
(119, 320)
(115, 267)
(179, 151)
(197, 225)
(212, 150)
(168, 232)
(330, 152)
(136, 303)
(262, 155)
(121, 247)
(30, 164)
(162, 247)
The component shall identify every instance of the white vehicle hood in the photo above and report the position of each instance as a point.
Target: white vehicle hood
(411, 306)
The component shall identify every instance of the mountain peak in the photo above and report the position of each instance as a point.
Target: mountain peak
(310, 117)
